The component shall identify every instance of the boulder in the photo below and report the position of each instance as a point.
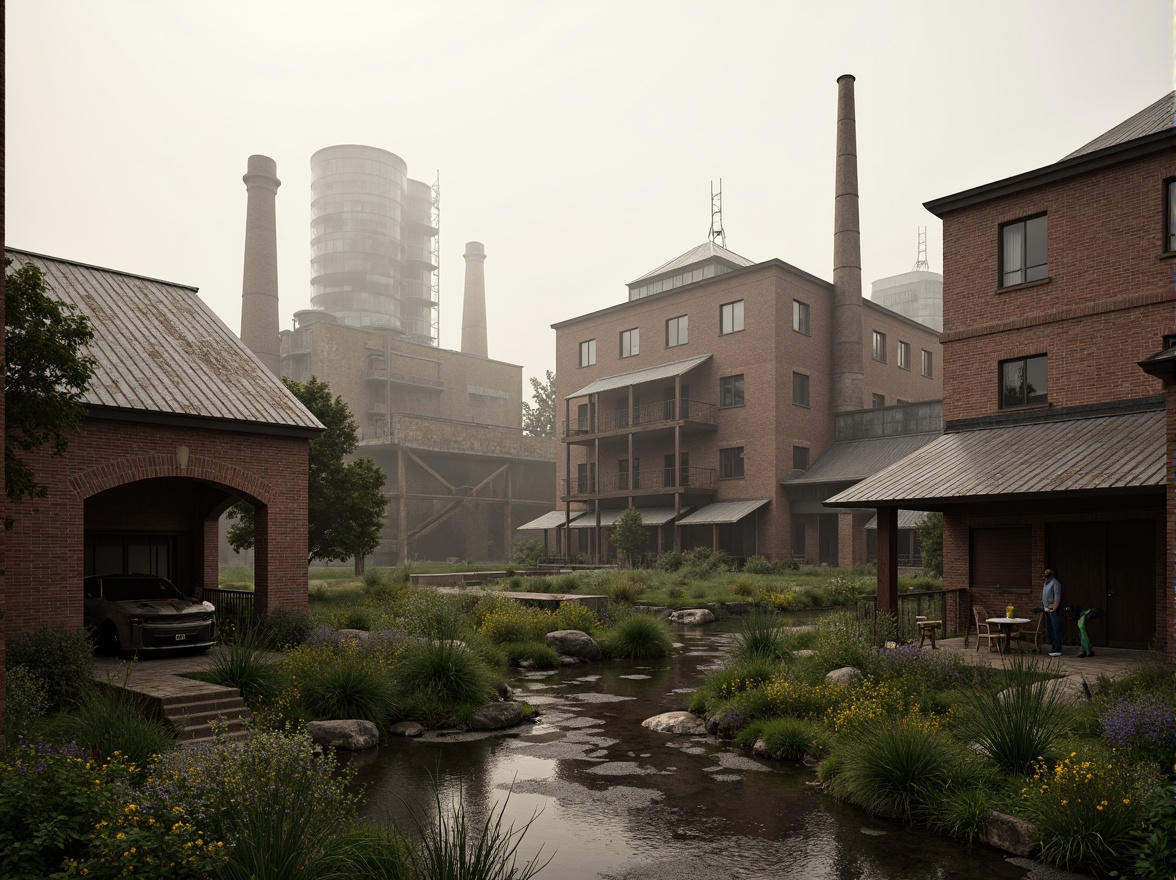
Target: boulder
(737, 609)
(354, 734)
(574, 643)
(360, 635)
(692, 617)
(656, 610)
(804, 652)
(844, 675)
(676, 722)
(406, 728)
(496, 716)
(1008, 833)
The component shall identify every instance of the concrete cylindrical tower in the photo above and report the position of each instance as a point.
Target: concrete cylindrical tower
(848, 383)
(473, 309)
(259, 286)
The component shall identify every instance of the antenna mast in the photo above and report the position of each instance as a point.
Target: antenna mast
(921, 264)
(716, 230)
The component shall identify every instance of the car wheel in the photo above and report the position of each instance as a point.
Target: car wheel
(109, 641)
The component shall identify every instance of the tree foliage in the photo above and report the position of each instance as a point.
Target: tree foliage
(345, 501)
(929, 531)
(629, 535)
(45, 375)
(539, 420)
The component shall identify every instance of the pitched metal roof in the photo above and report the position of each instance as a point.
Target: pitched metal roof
(555, 519)
(853, 460)
(159, 349)
(649, 374)
(1151, 119)
(722, 512)
(1072, 455)
(650, 516)
(907, 519)
(705, 251)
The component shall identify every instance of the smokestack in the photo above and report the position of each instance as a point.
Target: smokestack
(847, 260)
(473, 309)
(259, 286)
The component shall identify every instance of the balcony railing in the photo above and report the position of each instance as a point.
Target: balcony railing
(660, 479)
(643, 417)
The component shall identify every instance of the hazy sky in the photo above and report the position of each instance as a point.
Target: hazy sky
(578, 141)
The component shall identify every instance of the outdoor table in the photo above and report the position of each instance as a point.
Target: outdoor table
(1006, 625)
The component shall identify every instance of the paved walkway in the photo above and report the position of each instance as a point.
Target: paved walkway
(157, 676)
(1111, 662)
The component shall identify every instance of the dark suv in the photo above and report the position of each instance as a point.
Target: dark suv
(130, 612)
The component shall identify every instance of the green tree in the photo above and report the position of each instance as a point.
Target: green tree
(629, 535)
(929, 532)
(45, 375)
(345, 501)
(539, 420)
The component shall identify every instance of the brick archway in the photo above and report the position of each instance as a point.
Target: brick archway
(146, 467)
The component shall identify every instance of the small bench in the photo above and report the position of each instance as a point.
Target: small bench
(927, 630)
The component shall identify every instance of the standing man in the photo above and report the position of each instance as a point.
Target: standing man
(1051, 602)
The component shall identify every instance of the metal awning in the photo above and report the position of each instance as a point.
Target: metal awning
(650, 516)
(722, 512)
(907, 519)
(1094, 454)
(649, 374)
(853, 460)
(553, 520)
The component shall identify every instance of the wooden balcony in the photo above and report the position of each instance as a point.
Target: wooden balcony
(657, 481)
(693, 415)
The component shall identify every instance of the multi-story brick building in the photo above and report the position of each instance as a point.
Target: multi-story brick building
(694, 398)
(1057, 283)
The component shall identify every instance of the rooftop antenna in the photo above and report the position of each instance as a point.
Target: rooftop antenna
(921, 264)
(716, 230)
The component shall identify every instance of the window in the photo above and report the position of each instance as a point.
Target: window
(800, 317)
(1023, 381)
(623, 473)
(904, 355)
(630, 342)
(683, 473)
(878, 400)
(926, 363)
(731, 317)
(800, 457)
(800, 389)
(588, 353)
(731, 390)
(636, 473)
(677, 331)
(798, 538)
(879, 346)
(731, 463)
(1170, 196)
(1001, 557)
(586, 478)
(1022, 251)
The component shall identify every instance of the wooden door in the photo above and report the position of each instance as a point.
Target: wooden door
(1131, 584)
(1077, 552)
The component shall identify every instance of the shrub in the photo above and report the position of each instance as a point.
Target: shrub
(111, 720)
(743, 586)
(573, 615)
(541, 656)
(637, 637)
(357, 618)
(26, 700)
(726, 683)
(959, 811)
(1142, 724)
(1151, 848)
(348, 685)
(758, 565)
(791, 696)
(526, 552)
(674, 593)
(503, 620)
(245, 664)
(285, 627)
(1084, 810)
(624, 591)
(373, 577)
(670, 561)
(63, 658)
(780, 600)
(445, 675)
(789, 739)
(843, 640)
(759, 636)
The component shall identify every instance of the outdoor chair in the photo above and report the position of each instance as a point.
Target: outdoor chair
(983, 630)
(1033, 633)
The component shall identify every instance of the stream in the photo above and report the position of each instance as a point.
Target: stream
(615, 801)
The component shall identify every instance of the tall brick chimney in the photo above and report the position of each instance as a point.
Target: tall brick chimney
(848, 383)
(259, 286)
(473, 309)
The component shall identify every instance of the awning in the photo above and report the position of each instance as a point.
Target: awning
(907, 519)
(649, 374)
(853, 460)
(553, 520)
(722, 512)
(650, 516)
(1095, 454)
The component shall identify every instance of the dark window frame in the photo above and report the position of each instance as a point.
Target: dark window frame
(800, 458)
(588, 353)
(878, 346)
(742, 316)
(1027, 273)
(1026, 399)
(682, 330)
(1170, 215)
(737, 386)
(633, 337)
(877, 401)
(802, 392)
(800, 317)
(732, 463)
(904, 355)
(928, 364)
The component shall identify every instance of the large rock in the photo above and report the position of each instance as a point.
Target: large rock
(1008, 833)
(676, 722)
(406, 728)
(574, 643)
(354, 734)
(692, 617)
(496, 716)
(844, 675)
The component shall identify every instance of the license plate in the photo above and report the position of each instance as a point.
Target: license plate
(180, 637)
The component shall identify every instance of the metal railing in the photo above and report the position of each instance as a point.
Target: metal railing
(663, 478)
(945, 605)
(232, 606)
(647, 415)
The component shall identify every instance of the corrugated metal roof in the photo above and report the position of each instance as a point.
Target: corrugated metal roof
(1150, 120)
(907, 519)
(705, 251)
(555, 519)
(723, 512)
(650, 516)
(158, 348)
(1073, 455)
(852, 460)
(649, 374)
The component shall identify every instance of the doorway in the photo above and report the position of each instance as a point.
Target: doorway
(827, 539)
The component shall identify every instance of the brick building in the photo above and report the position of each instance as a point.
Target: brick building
(694, 398)
(182, 421)
(1057, 283)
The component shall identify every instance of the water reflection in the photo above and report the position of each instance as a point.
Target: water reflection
(619, 802)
